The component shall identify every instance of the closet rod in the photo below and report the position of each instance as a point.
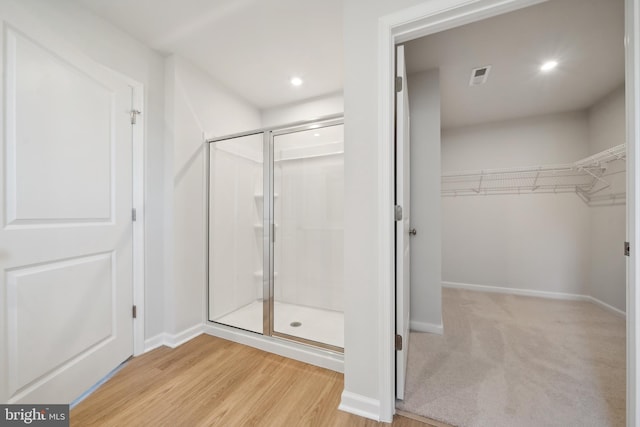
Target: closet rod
(275, 128)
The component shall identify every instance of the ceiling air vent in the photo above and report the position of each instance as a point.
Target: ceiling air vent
(479, 75)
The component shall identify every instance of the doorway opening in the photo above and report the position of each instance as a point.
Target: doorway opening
(532, 194)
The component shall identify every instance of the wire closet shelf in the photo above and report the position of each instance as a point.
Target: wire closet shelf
(586, 177)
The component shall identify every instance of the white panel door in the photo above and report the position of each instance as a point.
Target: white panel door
(65, 222)
(403, 257)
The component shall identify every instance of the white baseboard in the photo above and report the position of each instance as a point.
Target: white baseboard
(176, 340)
(532, 293)
(290, 349)
(513, 291)
(431, 328)
(153, 342)
(173, 340)
(606, 306)
(360, 405)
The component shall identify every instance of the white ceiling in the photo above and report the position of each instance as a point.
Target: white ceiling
(586, 37)
(253, 47)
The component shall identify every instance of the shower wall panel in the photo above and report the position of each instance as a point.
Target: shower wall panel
(235, 227)
(310, 257)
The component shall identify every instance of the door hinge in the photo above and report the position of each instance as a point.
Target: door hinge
(397, 215)
(134, 312)
(398, 342)
(627, 249)
(134, 215)
(398, 84)
(134, 115)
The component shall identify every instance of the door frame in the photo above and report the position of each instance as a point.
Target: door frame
(402, 240)
(138, 196)
(436, 16)
(138, 150)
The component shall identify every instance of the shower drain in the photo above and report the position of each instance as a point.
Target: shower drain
(295, 324)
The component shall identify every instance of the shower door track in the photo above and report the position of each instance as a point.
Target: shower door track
(268, 285)
(285, 128)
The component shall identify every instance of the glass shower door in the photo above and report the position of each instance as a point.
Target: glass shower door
(236, 233)
(308, 182)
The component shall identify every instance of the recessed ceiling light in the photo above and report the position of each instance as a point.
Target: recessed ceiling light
(548, 66)
(316, 134)
(296, 81)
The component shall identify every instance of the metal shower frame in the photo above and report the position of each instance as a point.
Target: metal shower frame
(268, 220)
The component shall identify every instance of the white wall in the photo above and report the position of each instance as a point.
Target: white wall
(552, 243)
(94, 37)
(536, 242)
(608, 221)
(196, 105)
(540, 140)
(308, 109)
(363, 323)
(426, 256)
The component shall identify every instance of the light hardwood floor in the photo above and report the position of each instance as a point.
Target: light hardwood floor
(213, 382)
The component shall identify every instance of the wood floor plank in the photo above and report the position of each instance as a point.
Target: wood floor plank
(213, 382)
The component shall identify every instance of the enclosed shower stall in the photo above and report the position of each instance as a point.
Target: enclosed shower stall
(276, 232)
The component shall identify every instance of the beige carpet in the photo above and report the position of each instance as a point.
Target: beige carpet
(507, 360)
